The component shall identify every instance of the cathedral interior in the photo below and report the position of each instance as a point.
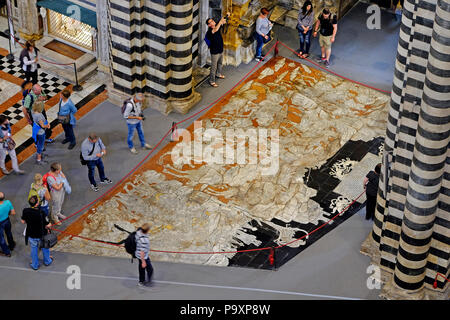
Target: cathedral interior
(257, 183)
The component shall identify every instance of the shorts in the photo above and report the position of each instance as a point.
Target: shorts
(325, 42)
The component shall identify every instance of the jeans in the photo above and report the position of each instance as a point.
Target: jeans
(259, 43)
(131, 128)
(305, 40)
(101, 170)
(40, 141)
(34, 244)
(12, 155)
(68, 130)
(149, 269)
(5, 226)
(216, 66)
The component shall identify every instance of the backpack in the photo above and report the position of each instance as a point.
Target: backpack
(44, 180)
(25, 93)
(207, 41)
(33, 192)
(130, 244)
(124, 106)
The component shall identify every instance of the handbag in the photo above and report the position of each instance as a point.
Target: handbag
(48, 240)
(84, 162)
(63, 119)
(10, 144)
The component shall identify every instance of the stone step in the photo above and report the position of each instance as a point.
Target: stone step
(63, 66)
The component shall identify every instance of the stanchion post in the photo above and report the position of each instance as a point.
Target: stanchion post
(10, 56)
(77, 86)
(276, 49)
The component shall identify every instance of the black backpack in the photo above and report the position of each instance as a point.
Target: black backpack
(130, 244)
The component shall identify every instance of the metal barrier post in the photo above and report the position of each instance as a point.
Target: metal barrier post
(77, 86)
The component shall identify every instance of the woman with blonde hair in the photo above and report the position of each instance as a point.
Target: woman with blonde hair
(38, 189)
(39, 126)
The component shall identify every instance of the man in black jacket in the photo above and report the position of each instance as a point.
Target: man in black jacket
(37, 225)
(371, 185)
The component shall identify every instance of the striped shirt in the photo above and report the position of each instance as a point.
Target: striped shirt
(142, 244)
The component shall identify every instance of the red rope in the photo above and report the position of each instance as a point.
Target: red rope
(59, 64)
(222, 96)
(175, 127)
(336, 74)
(224, 252)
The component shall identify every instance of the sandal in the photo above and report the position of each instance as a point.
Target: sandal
(215, 85)
(221, 76)
(300, 54)
(306, 55)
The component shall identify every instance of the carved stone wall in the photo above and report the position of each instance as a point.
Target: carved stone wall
(29, 26)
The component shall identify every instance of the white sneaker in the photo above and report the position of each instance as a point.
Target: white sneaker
(5, 172)
(61, 216)
(133, 150)
(147, 146)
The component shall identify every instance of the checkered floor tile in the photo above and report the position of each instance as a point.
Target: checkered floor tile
(49, 83)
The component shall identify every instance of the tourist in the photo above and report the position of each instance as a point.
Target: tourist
(39, 126)
(29, 63)
(41, 191)
(7, 146)
(66, 117)
(142, 250)
(55, 180)
(6, 209)
(35, 94)
(327, 23)
(262, 32)
(305, 27)
(215, 48)
(134, 116)
(371, 186)
(92, 151)
(37, 227)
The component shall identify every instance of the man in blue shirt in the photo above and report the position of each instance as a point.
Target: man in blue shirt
(92, 151)
(6, 208)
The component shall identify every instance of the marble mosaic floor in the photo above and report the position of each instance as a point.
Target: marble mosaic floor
(329, 133)
(11, 102)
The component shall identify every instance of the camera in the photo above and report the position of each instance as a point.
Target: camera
(142, 116)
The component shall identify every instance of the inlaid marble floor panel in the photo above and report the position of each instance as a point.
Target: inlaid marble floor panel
(326, 128)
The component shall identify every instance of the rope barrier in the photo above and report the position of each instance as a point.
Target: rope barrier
(77, 86)
(172, 130)
(435, 279)
(336, 74)
(272, 249)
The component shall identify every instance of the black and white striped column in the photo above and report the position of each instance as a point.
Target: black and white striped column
(412, 226)
(152, 51)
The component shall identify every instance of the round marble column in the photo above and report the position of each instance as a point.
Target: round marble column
(429, 179)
